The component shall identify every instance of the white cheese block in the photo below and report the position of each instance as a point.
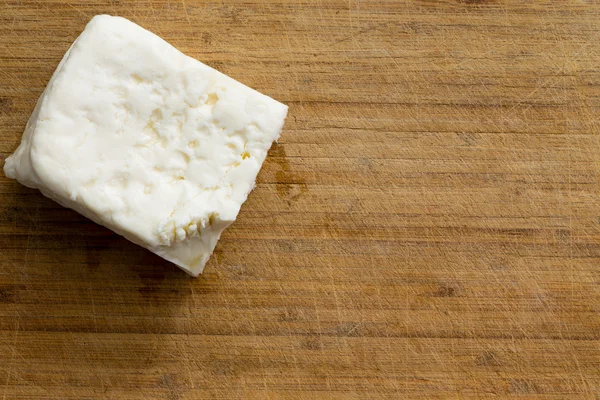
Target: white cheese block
(146, 141)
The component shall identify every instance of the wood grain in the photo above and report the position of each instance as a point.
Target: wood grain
(427, 227)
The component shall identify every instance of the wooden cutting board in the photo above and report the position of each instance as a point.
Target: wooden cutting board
(427, 227)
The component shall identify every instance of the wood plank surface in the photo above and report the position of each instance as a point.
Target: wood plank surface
(427, 227)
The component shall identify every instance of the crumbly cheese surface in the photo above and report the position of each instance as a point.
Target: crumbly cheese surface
(146, 141)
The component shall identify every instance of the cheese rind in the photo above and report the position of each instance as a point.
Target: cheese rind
(146, 141)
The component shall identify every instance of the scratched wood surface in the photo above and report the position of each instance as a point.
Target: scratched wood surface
(427, 227)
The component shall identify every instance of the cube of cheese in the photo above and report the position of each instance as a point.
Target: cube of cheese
(144, 140)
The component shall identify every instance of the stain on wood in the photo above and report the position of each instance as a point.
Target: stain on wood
(5, 105)
(426, 228)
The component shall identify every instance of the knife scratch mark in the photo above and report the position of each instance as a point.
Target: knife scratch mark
(185, 10)
(77, 9)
